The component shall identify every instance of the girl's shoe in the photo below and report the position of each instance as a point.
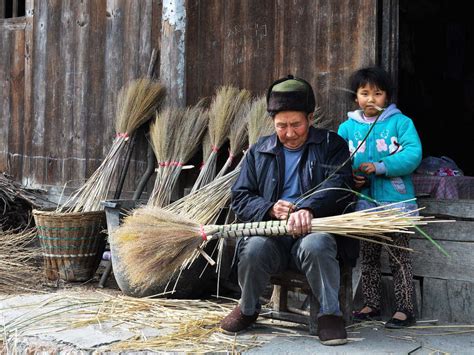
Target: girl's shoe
(395, 323)
(364, 316)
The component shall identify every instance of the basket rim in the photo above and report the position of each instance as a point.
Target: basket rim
(54, 213)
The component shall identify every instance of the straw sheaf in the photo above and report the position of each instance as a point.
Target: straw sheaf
(176, 135)
(222, 111)
(239, 129)
(192, 131)
(18, 271)
(260, 123)
(136, 104)
(163, 132)
(137, 239)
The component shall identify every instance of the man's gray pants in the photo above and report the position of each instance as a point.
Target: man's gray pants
(314, 255)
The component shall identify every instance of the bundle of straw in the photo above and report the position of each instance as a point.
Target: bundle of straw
(167, 242)
(238, 136)
(222, 111)
(260, 123)
(18, 269)
(175, 136)
(136, 103)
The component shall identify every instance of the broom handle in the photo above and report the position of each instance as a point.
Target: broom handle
(250, 232)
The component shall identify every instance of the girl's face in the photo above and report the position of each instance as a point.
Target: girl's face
(369, 97)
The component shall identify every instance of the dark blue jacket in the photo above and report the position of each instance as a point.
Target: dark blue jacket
(262, 177)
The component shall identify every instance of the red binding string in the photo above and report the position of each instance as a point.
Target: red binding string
(203, 234)
(214, 148)
(122, 135)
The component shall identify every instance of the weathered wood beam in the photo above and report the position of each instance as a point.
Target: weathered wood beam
(173, 56)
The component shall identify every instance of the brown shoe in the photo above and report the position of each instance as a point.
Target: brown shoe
(331, 330)
(236, 321)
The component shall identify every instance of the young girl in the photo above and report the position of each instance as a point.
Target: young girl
(382, 167)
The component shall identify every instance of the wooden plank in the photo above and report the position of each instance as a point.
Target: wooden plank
(429, 262)
(455, 231)
(2, 8)
(453, 208)
(449, 301)
(5, 57)
(250, 44)
(17, 97)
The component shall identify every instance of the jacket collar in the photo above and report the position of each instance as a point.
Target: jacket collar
(272, 144)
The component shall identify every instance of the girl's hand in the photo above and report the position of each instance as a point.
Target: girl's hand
(367, 168)
(359, 181)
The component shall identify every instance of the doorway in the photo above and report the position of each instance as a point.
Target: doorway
(436, 77)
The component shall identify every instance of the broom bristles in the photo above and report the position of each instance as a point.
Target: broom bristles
(136, 103)
(260, 123)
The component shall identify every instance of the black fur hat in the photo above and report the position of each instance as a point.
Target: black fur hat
(290, 94)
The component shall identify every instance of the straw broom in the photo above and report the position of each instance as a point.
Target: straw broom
(177, 132)
(165, 241)
(238, 136)
(260, 123)
(136, 103)
(222, 111)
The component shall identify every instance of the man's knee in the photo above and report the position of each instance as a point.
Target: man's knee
(319, 244)
(257, 250)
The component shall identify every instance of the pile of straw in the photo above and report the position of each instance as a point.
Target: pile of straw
(136, 104)
(17, 202)
(166, 242)
(184, 326)
(18, 262)
(225, 105)
(175, 136)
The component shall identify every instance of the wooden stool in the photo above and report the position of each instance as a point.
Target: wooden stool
(289, 280)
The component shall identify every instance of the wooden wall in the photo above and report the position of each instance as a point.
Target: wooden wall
(71, 58)
(61, 70)
(251, 43)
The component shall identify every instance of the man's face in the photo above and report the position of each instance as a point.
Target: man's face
(292, 128)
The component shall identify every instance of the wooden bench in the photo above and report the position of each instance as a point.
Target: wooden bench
(291, 280)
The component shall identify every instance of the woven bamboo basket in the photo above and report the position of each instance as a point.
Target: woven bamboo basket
(72, 243)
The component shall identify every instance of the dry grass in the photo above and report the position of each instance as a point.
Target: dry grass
(182, 326)
(175, 135)
(238, 136)
(260, 123)
(19, 271)
(136, 103)
(224, 107)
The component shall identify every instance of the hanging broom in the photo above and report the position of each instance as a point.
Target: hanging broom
(175, 135)
(135, 105)
(165, 242)
(260, 123)
(222, 111)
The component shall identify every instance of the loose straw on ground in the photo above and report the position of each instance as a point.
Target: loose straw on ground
(175, 136)
(136, 104)
(165, 241)
(225, 105)
(180, 325)
(18, 262)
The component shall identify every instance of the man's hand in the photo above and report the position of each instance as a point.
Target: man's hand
(299, 223)
(281, 209)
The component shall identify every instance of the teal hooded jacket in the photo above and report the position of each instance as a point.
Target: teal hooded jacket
(393, 146)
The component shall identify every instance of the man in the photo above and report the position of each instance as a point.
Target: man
(277, 170)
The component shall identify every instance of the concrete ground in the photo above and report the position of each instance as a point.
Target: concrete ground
(272, 337)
